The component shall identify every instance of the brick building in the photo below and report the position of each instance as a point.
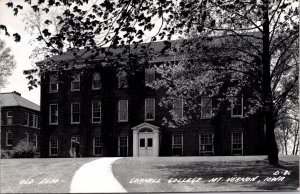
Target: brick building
(19, 120)
(112, 113)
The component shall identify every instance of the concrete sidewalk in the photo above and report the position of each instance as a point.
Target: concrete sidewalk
(96, 177)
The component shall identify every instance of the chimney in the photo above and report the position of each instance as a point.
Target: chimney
(17, 93)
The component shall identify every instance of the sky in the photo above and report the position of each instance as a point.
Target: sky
(21, 51)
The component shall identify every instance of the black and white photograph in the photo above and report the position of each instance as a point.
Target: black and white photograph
(163, 96)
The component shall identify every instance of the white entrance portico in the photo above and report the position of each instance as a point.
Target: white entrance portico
(145, 140)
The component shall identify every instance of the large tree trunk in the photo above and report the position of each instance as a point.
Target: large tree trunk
(268, 105)
(297, 148)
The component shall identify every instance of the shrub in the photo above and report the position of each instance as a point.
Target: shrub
(5, 154)
(24, 150)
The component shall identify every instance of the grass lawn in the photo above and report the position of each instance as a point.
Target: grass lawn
(58, 172)
(132, 173)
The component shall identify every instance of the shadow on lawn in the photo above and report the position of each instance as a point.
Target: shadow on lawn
(208, 170)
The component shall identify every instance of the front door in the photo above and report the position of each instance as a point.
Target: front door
(146, 144)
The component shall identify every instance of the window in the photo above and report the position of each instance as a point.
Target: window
(53, 146)
(26, 137)
(53, 116)
(97, 146)
(9, 117)
(149, 76)
(206, 107)
(206, 142)
(96, 112)
(35, 121)
(9, 138)
(75, 84)
(237, 144)
(122, 80)
(237, 107)
(34, 141)
(177, 144)
(75, 113)
(149, 109)
(178, 107)
(123, 110)
(142, 143)
(123, 146)
(96, 84)
(31, 121)
(26, 118)
(53, 84)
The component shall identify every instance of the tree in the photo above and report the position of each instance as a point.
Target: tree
(7, 63)
(287, 128)
(268, 53)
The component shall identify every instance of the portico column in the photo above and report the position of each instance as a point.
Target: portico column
(135, 143)
(156, 143)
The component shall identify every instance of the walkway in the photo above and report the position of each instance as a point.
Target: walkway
(96, 177)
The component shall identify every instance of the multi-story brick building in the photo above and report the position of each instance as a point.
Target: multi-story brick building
(19, 120)
(115, 114)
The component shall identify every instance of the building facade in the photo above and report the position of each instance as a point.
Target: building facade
(20, 120)
(112, 113)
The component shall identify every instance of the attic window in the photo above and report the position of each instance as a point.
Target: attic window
(122, 80)
(75, 84)
(96, 81)
(149, 76)
(237, 107)
(53, 84)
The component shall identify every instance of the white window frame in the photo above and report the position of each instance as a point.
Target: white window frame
(173, 142)
(153, 100)
(27, 118)
(100, 146)
(205, 106)
(94, 112)
(242, 143)
(93, 80)
(149, 72)
(200, 144)
(119, 145)
(50, 123)
(122, 111)
(12, 137)
(53, 80)
(36, 139)
(233, 105)
(120, 75)
(76, 78)
(73, 122)
(26, 138)
(174, 111)
(56, 147)
(9, 117)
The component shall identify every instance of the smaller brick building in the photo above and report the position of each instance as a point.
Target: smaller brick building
(19, 120)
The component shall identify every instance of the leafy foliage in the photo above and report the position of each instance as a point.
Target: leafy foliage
(6, 154)
(7, 63)
(21, 150)
(24, 150)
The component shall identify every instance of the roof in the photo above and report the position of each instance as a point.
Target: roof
(158, 47)
(15, 99)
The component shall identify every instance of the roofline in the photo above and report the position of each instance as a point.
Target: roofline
(22, 107)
